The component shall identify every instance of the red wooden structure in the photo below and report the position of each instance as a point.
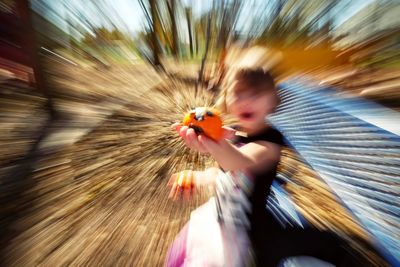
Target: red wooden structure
(18, 52)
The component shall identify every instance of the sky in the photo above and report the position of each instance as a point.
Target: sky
(128, 15)
(126, 7)
(355, 6)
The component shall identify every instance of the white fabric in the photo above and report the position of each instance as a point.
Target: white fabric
(303, 261)
(204, 243)
(211, 243)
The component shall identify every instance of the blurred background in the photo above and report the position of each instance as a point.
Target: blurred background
(88, 90)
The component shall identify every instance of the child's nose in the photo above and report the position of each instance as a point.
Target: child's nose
(244, 102)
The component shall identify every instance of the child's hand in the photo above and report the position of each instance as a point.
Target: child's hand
(182, 184)
(200, 143)
(187, 182)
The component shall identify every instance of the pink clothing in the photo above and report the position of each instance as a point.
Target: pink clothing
(177, 252)
(208, 241)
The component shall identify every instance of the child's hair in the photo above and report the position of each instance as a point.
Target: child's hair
(258, 79)
(251, 67)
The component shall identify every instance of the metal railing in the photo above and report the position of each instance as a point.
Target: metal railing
(354, 145)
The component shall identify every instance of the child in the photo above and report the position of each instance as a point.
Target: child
(221, 231)
(251, 95)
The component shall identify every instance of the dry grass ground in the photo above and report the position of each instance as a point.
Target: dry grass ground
(103, 199)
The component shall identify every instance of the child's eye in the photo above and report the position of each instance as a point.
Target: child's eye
(245, 95)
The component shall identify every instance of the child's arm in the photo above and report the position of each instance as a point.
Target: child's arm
(251, 156)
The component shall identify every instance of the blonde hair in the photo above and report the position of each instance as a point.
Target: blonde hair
(252, 64)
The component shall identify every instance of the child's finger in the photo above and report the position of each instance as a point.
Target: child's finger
(195, 144)
(186, 193)
(181, 178)
(172, 179)
(178, 192)
(202, 148)
(182, 131)
(190, 184)
(193, 190)
(176, 126)
(191, 139)
(207, 143)
(188, 177)
(193, 184)
(189, 180)
(172, 193)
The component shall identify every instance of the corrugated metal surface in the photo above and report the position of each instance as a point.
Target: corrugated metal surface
(354, 145)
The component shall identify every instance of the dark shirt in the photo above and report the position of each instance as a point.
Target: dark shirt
(272, 243)
(263, 179)
(259, 216)
(262, 222)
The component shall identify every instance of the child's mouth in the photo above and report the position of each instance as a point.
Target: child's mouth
(246, 115)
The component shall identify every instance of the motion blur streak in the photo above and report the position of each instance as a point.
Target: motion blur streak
(89, 89)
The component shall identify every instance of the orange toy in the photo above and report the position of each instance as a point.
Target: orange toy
(205, 120)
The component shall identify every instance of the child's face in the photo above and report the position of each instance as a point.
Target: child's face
(250, 105)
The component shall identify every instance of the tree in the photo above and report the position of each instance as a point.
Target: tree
(154, 32)
(171, 4)
(188, 13)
